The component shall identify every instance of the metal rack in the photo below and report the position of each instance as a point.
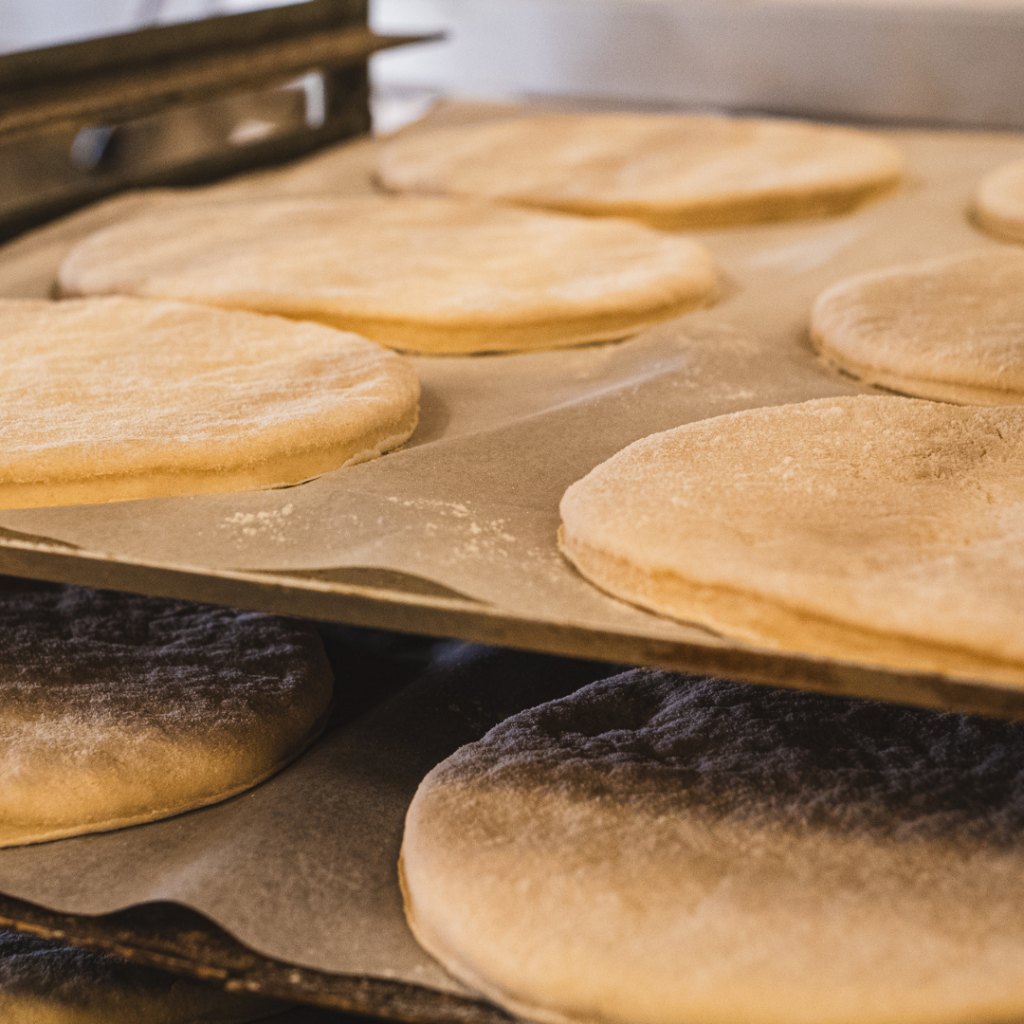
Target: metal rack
(162, 106)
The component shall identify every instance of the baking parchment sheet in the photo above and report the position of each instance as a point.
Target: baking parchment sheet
(470, 504)
(304, 868)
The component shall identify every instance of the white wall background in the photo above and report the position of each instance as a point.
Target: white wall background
(956, 62)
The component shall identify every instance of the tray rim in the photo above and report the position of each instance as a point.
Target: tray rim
(290, 593)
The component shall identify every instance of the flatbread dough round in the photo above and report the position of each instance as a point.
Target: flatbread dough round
(668, 170)
(117, 709)
(999, 204)
(950, 329)
(658, 849)
(119, 398)
(425, 275)
(880, 530)
(44, 982)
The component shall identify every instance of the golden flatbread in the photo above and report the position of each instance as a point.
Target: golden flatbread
(880, 530)
(425, 275)
(950, 329)
(662, 849)
(118, 398)
(44, 982)
(668, 170)
(117, 709)
(999, 204)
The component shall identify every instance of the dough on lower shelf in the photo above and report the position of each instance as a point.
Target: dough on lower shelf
(873, 529)
(999, 203)
(663, 849)
(950, 329)
(117, 709)
(423, 275)
(45, 982)
(111, 399)
(668, 170)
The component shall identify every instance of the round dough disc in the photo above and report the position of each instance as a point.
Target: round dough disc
(118, 398)
(669, 171)
(43, 982)
(999, 204)
(425, 275)
(881, 530)
(117, 709)
(661, 849)
(950, 329)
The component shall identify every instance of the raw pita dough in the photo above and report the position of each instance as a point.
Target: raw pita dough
(999, 204)
(881, 530)
(45, 982)
(117, 709)
(118, 398)
(950, 329)
(658, 849)
(426, 275)
(667, 170)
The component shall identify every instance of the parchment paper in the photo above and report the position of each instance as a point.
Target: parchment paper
(303, 868)
(470, 505)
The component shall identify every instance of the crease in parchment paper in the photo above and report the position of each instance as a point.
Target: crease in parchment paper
(31, 539)
(377, 579)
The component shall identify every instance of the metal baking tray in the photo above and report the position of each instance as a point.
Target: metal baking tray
(455, 534)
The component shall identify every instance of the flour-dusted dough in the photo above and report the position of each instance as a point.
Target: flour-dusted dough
(118, 398)
(657, 849)
(950, 329)
(882, 530)
(999, 204)
(43, 982)
(117, 709)
(667, 170)
(425, 275)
